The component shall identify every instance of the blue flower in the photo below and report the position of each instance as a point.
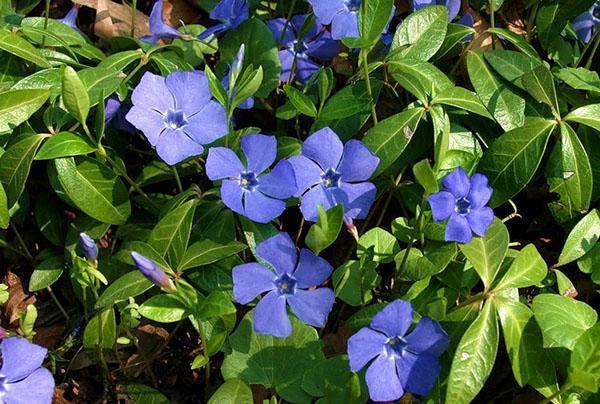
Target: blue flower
(152, 272)
(70, 18)
(401, 362)
(22, 379)
(90, 249)
(292, 283)
(315, 45)
(329, 173)
(233, 72)
(463, 200)
(585, 23)
(245, 189)
(341, 14)
(231, 13)
(115, 111)
(177, 114)
(158, 27)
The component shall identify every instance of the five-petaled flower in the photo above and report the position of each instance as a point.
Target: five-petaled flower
(245, 189)
(177, 114)
(22, 379)
(341, 14)
(329, 173)
(88, 245)
(152, 272)
(158, 27)
(231, 13)
(402, 362)
(292, 283)
(587, 22)
(316, 44)
(463, 200)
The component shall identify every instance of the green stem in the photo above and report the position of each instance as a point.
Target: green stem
(287, 21)
(100, 333)
(492, 24)
(585, 49)
(132, 183)
(57, 302)
(562, 390)
(22, 242)
(365, 63)
(475, 298)
(591, 56)
(414, 238)
(133, 13)
(46, 17)
(141, 64)
(177, 179)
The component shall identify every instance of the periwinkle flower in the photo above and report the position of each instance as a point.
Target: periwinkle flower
(115, 111)
(232, 73)
(292, 283)
(158, 27)
(177, 114)
(587, 22)
(401, 362)
(245, 189)
(341, 14)
(231, 13)
(317, 44)
(70, 19)
(463, 200)
(90, 249)
(22, 379)
(329, 173)
(152, 272)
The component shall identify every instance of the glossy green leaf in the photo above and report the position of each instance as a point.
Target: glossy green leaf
(511, 65)
(141, 394)
(74, 95)
(300, 101)
(131, 284)
(588, 115)
(376, 16)
(461, 98)
(233, 391)
(580, 78)
(333, 380)
(381, 243)
(64, 144)
(527, 269)
(4, 216)
(14, 44)
(519, 41)
(325, 231)
(101, 330)
(424, 31)
(353, 282)
(216, 304)
(164, 308)
(539, 83)
(582, 238)
(585, 360)
(206, 252)
(67, 34)
(419, 78)
(46, 273)
(16, 106)
(171, 234)
(455, 35)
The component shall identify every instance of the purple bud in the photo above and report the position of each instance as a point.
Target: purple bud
(151, 271)
(90, 249)
(351, 227)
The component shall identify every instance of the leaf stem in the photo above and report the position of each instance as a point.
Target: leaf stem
(365, 63)
(133, 12)
(177, 179)
(562, 390)
(492, 24)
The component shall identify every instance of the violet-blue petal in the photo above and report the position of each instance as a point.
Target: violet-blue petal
(480, 219)
(345, 25)
(306, 171)
(323, 47)
(420, 372)
(358, 162)
(325, 10)
(280, 182)
(428, 337)
(357, 198)
(221, 163)
(250, 280)
(467, 20)
(442, 205)
(37, 388)
(394, 319)
(232, 194)
(364, 346)
(312, 270)
(457, 183)
(382, 380)
(480, 192)
(453, 7)
(297, 23)
(260, 151)
(70, 19)
(214, 30)
(312, 306)
(147, 120)
(458, 229)
(260, 208)
(190, 90)
(88, 245)
(324, 147)
(583, 25)
(209, 124)
(153, 39)
(305, 68)
(286, 59)
(276, 26)
(174, 146)
(270, 316)
(157, 23)
(20, 358)
(316, 196)
(152, 92)
(110, 108)
(233, 11)
(278, 251)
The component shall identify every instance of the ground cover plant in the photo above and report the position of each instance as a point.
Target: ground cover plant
(333, 201)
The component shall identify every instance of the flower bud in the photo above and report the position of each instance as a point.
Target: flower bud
(151, 271)
(236, 66)
(351, 227)
(90, 249)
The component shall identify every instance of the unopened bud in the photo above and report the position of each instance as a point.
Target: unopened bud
(151, 271)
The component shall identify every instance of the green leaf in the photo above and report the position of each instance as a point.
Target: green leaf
(263, 359)
(94, 189)
(588, 115)
(434, 258)
(171, 234)
(100, 80)
(425, 176)
(461, 98)
(376, 16)
(323, 233)
(216, 304)
(333, 380)
(454, 36)
(143, 248)
(233, 391)
(562, 319)
(487, 253)
(164, 308)
(579, 78)
(389, 138)
(16, 106)
(247, 85)
(46, 273)
(353, 282)
(67, 35)
(300, 101)
(101, 330)
(4, 216)
(14, 44)
(74, 95)
(256, 233)
(141, 394)
(421, 79)
(15, 165)
(505, 105)
(585, 359)
(424, 31)
(511, 65)
(540, 84)
(383, 245)
(474, 357)
(582, 238)
(527, 269)
(64, 144)
(513, 158)
(131, 284)
(517, 40)
(206, 252)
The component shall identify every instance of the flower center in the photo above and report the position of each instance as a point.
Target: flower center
(298, 46)
(248, 180)
(395, 347)
(286, 284)
(463, 206)
(175, 119)
(353, 5)
(596, 11)
(330, 178)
